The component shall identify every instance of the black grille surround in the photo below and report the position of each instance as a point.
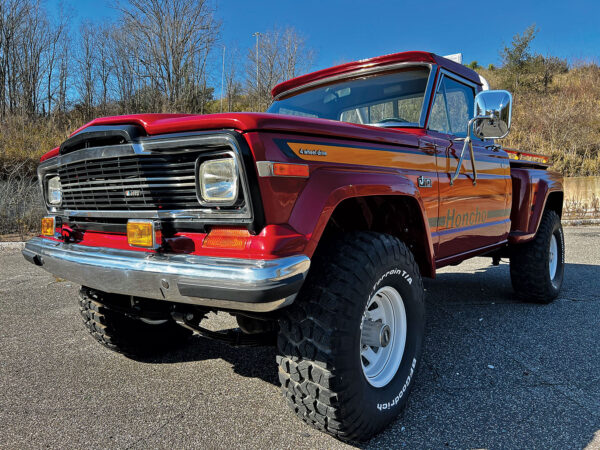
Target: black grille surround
(153, 182)
(153, 177)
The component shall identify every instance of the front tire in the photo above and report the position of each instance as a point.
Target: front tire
(363, 297)
(124, 334)
(537, 267)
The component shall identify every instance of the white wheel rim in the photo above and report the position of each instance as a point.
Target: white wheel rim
(380, 363)
(553, 265)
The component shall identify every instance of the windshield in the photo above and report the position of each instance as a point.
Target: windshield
(394, 99)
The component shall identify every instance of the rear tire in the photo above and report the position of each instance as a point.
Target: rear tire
(123, 334)
(324, 373)
(537, 267)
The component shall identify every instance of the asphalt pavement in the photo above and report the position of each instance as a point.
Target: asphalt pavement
(496, 373)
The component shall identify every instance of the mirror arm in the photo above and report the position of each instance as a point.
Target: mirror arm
(473, 163)
(468, 141)
(460, 160)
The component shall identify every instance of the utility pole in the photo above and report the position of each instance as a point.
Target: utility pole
(257, 34)
(223, 80)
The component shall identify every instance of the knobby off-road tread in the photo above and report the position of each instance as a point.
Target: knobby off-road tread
(123, 334)
(314, 332)
(529, 263)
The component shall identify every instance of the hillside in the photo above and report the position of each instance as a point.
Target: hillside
(562, 121)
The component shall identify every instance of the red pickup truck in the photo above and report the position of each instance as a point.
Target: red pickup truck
(313, 224)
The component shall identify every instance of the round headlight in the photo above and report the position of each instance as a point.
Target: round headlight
(218, 180)
(54, 191)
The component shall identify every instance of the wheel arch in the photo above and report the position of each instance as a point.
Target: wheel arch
(354, 202)
(534, 192)
(399, 216)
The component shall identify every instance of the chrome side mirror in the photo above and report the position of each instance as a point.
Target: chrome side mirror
(493, 112)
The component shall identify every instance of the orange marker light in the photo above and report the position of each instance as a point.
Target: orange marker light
(48, 226)
(224, 237)
(290, 170)
(141, 234)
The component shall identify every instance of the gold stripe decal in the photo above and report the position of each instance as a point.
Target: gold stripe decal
(362, 156)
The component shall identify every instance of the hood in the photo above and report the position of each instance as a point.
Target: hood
(156, 124)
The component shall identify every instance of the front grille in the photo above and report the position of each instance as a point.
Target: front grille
(140, 182)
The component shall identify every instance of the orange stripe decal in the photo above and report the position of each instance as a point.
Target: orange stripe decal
(362, 156)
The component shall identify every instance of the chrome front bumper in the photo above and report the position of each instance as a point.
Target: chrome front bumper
(237, 284)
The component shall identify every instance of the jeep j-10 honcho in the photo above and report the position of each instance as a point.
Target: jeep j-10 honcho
(313, 224)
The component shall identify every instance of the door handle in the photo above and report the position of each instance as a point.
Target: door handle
(428, 146)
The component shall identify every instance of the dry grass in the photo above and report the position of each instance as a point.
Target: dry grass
(563, 122)
(576, 208)
(21, 205)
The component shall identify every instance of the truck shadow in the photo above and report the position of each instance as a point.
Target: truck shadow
(495, 372)
(252, 362)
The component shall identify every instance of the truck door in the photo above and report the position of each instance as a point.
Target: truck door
(471, 216)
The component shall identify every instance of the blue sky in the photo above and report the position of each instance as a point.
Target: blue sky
(346, 30)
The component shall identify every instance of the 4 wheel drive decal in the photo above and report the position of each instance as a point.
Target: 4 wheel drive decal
(314, 152)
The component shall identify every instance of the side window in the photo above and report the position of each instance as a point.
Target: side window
(452, 108)
(438, 119)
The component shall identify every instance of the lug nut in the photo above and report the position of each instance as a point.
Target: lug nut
(385, 336)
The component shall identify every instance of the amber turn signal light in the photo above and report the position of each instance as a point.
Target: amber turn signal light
(279, 169)
(48, 226)
(224, 237)
(142, 233)
(290, 170)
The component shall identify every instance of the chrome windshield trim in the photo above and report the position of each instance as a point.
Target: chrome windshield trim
(428, 94)
(374, 70)
(352, 74)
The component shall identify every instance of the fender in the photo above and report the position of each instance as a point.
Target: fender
(531, 190)
(312, 210)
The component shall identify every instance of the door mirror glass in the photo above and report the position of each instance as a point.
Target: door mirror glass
(493, 111)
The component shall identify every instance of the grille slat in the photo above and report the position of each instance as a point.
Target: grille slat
(126, 180)
(138, 183)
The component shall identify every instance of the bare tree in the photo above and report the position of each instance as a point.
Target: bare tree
(103, 65)
(64, 63)
(29, 45)
(174, 39)
(121, 52)
(85, 61)
(233, 85)
(57, 36)
(282, 54)
(12, 13)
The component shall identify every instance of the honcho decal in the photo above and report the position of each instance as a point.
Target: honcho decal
(455, 219)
